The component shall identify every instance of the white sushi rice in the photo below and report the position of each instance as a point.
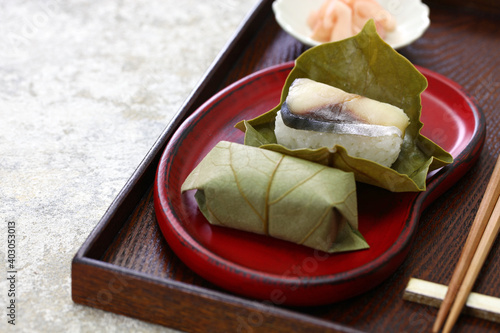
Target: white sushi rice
(382, 149)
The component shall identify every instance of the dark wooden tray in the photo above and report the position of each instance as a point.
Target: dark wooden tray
(126, 267)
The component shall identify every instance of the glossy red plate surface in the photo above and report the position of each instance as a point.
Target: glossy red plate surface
(269, 269)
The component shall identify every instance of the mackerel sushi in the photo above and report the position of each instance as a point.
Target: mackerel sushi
(316, 115)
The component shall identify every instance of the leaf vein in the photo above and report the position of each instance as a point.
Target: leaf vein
(268, 191)
(316, 226)
(296, 186)
(240, 189)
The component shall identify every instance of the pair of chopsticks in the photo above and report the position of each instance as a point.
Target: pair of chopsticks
(477, 246)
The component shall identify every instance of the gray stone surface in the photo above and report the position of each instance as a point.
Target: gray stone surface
(86, 87)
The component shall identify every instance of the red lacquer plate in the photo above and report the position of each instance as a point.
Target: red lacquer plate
(264, 268)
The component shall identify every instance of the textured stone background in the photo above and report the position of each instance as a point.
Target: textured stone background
(86, 87)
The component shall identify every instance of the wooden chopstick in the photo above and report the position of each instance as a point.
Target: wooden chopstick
(483, 215)
(477, 262)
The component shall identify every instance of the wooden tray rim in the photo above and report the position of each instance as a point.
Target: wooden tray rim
(217, 296)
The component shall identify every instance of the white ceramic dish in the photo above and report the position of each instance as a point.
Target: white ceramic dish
(412, 17)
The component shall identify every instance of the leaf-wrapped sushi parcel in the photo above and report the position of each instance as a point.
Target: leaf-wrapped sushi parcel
(353, 105)
(265, 192)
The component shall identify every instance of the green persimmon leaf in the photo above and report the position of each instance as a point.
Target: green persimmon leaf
(261, 191)
(367, 66)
